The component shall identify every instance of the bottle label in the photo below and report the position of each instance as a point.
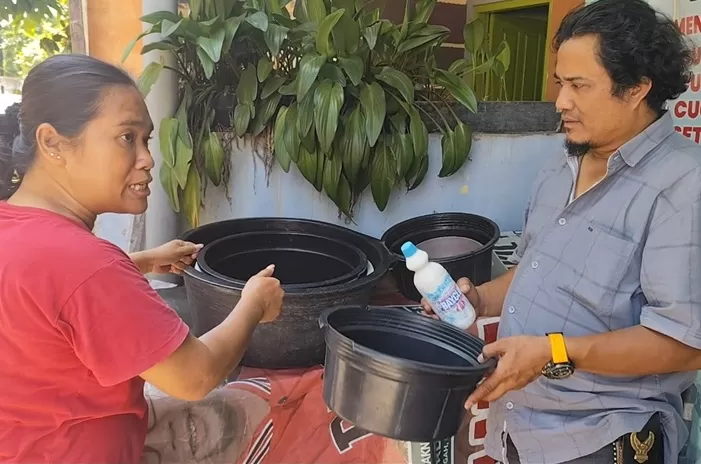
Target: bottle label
(449, 302)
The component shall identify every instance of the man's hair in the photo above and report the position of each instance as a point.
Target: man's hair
(635, 42)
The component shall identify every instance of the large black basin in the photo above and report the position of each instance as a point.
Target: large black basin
(301, 260)
(294, 339)
(461, 242)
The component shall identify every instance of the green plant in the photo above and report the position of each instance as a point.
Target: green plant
(340, 90)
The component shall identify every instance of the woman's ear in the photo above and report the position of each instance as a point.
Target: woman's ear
(50, 143)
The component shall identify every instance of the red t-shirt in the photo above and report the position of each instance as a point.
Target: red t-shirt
(78, 324)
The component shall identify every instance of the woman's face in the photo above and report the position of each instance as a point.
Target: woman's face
(107, 169)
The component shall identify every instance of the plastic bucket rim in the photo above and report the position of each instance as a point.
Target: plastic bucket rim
(344, 279)
(392, 361)
(402, 238)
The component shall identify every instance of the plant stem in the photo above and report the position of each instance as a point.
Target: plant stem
(428, 100)
(445, 102)
(428, 115)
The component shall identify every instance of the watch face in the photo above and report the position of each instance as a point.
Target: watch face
(558, 371)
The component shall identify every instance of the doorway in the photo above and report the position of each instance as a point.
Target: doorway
(523, 24)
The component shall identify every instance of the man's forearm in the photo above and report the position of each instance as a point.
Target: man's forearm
(143, 260)
(635, 351)
(493, 293)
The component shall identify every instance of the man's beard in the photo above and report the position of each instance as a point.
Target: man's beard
(576, 148)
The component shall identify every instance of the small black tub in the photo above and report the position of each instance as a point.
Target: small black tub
(460, 242)
(301, 260)
(399, 374)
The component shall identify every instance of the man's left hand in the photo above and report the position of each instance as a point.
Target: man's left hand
(520, 361)
(175, 256)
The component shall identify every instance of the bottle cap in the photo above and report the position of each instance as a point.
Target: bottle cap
(409, 249)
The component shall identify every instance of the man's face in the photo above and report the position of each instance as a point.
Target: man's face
(592, 116)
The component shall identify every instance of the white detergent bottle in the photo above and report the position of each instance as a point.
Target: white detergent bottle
(438, 287)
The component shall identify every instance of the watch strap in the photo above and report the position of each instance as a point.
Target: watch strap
(558, 348)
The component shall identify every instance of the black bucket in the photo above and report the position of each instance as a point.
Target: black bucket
(301, 260)
(399, 374)
(460, 242)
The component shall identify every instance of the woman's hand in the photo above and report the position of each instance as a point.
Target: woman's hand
(263, 291)
(175, 256)
(469, 290)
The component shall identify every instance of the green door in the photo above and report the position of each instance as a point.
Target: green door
(525, 31)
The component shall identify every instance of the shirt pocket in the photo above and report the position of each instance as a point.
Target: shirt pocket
(604, 260)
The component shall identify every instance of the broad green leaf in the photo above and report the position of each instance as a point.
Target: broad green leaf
(319, 178)
(266, 110)
(247, 90)
(309, 67)
(291, 135)
(331, 177)
(371, 33)
(353, 144)
(503, 55)
(181, 116)
(474, 34)
(463, 144)
(281, 154)
(448, 152)
(168, 28)
(289, 89)
(381, 175)
(259, 20)
(346, 35)
(206, 62)
(271, 86)
(458, 89)
(132, 44)
(307, 164)
(274, 37)
(315, 9)
(323, 37)
(305, 112)
(459, 66)
(183, 159)
(332, 72)
(149, 76)
(404, 30)
(195, 8)
(419, 133)
(416, 42)
(212, 45)
(231, 26)
(404, 154)
(421, 170)
(170, 185)
(159, 16)
(242, 118)
(354, 68)
(213, 157)
(399, 81)
(192, 197)
(424, 10)
(167, 133)
(309, 141)
(163, 45)
(328, 100)
(372, 101)
(344, 196)
(265, 67)
(430, 29)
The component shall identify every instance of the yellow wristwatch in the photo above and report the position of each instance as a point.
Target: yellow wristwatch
(560, 366)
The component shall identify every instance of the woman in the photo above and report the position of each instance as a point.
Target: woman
(80, 327)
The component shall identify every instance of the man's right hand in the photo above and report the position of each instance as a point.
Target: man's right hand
(264, 292)
(469, 290)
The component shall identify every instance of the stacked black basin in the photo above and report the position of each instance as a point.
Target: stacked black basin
(320, 265)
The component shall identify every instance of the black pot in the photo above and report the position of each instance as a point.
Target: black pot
(301, 260)
(460, 242)
(294, 340)
(399, 374)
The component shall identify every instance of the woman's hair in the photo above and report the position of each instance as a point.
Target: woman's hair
(635, 42)
(65, 91)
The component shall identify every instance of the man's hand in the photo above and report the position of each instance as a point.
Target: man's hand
(175, 256)
(520, 361)
(469, 290)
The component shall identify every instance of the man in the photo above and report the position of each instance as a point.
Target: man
(610, 259)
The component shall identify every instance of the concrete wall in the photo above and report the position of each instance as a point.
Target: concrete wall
(496, 184)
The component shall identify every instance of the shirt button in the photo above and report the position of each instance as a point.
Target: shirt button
(512, 309)
(509, 405)
(534, 264)
(562, 221)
